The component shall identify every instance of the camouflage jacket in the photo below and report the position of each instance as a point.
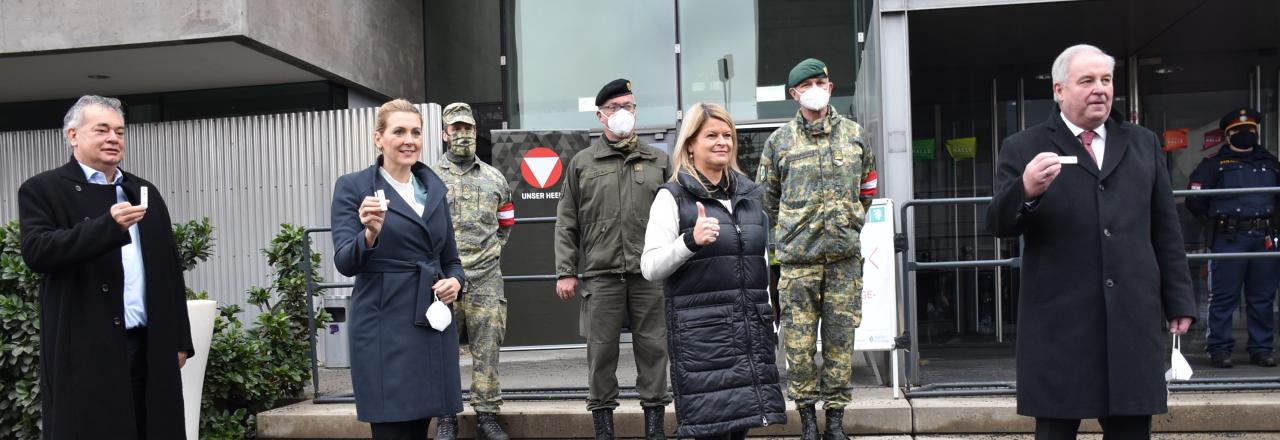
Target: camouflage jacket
(819, 179)
(604, 209)
(482, 213)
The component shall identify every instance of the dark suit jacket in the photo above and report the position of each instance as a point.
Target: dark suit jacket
(1103, 268)
(69, 237)
(401, 369)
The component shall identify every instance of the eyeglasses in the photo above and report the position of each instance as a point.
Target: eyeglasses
(612, 108)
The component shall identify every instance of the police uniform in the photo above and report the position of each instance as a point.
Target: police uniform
(1240, 223)
(482, 213)
(819, 177)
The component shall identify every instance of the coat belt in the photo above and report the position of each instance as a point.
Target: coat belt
(428, 273)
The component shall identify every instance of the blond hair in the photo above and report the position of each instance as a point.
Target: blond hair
(694, 119)
(393, 106)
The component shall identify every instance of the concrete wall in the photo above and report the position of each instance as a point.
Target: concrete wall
(51, 25)
(463, 42)
(374, 44)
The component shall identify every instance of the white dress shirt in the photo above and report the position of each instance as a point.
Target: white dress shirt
(135, 284)
(1099, 144)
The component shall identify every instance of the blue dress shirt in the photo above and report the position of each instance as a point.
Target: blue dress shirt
(135, 286)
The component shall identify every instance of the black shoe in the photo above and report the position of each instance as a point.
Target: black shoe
(488, 428)
(835, 425)
(603, 419)
(654, 427)
(1262, 359)
(1221, 360)
(808, 423)
(447, 428)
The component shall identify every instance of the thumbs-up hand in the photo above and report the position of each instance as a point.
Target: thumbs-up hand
(705, 229)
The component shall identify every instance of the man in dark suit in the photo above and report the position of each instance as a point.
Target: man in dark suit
(1103, 265)
(113, 317)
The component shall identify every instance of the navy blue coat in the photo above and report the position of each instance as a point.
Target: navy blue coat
(1102, 270)
(401, 369)
(1228, 168)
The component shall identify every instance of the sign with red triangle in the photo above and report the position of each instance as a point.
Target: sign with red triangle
(541, 167)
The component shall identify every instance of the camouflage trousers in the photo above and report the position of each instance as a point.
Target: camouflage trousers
(483, 312)
(830, 293)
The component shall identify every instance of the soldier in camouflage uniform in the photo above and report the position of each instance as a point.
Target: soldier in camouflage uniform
(819, 177)
(482, 214)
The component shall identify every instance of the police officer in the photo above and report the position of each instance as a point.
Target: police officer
(1242, 223)
(819, 178)
(482, 213)
(600, 227)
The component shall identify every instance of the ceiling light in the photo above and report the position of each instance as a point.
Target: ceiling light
(99, 76)
(1168, 70)
(1043, 76)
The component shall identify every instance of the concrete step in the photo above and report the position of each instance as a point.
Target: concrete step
(873, 411)
(1236, 415)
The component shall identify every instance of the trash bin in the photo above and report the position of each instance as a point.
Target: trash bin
(337, 353)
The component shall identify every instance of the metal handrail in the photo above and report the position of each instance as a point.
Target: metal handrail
(312, 286)
(909, 264)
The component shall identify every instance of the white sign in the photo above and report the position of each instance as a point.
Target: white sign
(879, 289)
(771, 93)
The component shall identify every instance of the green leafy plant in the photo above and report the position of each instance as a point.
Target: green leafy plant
(19, 341)
(253, 369)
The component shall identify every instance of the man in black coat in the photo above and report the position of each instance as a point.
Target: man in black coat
(113, 319)
(1103, 264)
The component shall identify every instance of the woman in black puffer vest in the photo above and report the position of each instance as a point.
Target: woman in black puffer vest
(706, 239)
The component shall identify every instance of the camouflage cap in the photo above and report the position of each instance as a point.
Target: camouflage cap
(808, 68)
(458, 112)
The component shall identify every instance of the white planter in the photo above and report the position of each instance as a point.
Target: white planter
(201, 313)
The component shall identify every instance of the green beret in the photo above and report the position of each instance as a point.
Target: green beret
(458, 112)
(808, 68)
(613, 89)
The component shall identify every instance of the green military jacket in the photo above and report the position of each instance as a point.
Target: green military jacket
(819, 179)
(476, 196)
(604, 209)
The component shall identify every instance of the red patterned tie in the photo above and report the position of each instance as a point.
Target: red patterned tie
(1086, 138)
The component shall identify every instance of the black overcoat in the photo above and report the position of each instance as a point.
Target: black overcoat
(1103, 269)
(401, 369)
(724, 375)
(69, 237)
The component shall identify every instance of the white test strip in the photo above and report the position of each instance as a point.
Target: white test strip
(1068, 160)
(143, 196)
(382, 199)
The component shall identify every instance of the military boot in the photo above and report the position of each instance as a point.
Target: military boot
(604, 423)
(808, 423)
(447, 428)
(835, 425)
(488, 428)
(654, 427)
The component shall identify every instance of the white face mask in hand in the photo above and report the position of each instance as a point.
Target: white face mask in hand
(815, 98)
(439, 315)
(1179, 368)
(621, 123)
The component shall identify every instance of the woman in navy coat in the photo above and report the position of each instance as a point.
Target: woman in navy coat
(403, 371)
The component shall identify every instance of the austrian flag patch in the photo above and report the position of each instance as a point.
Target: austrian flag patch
(869, 185)
(506, 215)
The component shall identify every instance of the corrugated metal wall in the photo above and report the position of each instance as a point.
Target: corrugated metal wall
(249, 175)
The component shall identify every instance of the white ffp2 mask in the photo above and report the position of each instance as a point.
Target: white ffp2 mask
(439, 315)
(621, 123)
(815, 99)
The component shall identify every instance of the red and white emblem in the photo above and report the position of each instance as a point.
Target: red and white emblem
(541, 167)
